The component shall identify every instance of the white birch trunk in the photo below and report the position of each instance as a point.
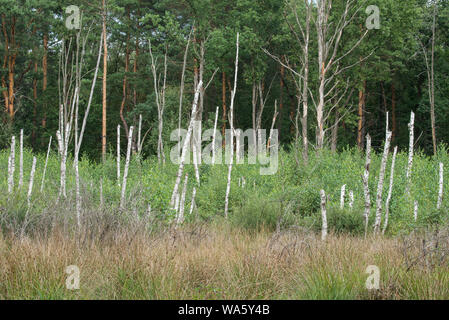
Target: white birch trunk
(62, 167)
(440, 186)
(30, 185)
(273, 122)
(323, 215)
(192, 202)
(390, 190)
(195, 146)
(180, 218)
(118, 155)
(45, 166)
(231, 121)
(185, 145)
(176, 208)
(415, 211)
(351, 199)
(125, 172)
(365, 182)
(238, 155)
(410, 151)
(139, 146)
(21, 160)
(380, 183)
(77, 192)
(12, 165)
(214, 148)
(101, 193)
(342, 196)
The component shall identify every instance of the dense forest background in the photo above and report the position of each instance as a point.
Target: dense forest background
(400, 67)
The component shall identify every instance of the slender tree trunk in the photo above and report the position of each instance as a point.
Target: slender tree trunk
(281, 99)
(415, 211)
(380, 184)
(254, 113)
(223, 98)
(440, 186)
(124, 87)
(408, 174)
(30, 185)
(361, 116)
(105, 74)
(11, 165)
(323, 215)
(231, 122)
(185, 146)
(181, 90)
(44, 79)
(192, 202)
(305, 89)
(390, 190)
(45, 167)
(365, 182)
(118, 155)
(432, 84)
(180, 218)
(393, 112)
(33, 132)
(342, 196)
(125, 172)
(21, 159)
(214, 148)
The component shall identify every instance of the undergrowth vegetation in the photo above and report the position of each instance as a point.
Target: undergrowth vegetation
(268, 248)
(273, 202)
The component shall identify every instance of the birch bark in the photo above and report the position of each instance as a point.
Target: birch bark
(390, 190)
(323, 215)
(231, 121)
(380, 184)
(365, 182)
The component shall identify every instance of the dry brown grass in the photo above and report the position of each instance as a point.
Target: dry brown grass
(209, 262)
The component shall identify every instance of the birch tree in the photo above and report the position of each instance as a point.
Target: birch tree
(21, 159)
(231, 123)
(365, 179)
(45, 166)
(323, 215)
(342, 196)
(302, 85)
(390, 190)
(430, 66)
(329, 58)
(118, 155)
(125, 171)
(380, 183)
(30, 185)
(79, 137)
(159, 93)
(440, 186)
(11, 165)
(410, 151)
(185, 146)
(180, 218)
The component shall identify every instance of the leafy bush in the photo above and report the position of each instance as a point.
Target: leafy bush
(257, 214)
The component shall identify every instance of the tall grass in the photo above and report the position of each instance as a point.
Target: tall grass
(211, 262)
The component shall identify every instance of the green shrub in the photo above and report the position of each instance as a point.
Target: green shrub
(339, 221)
(257, 214)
